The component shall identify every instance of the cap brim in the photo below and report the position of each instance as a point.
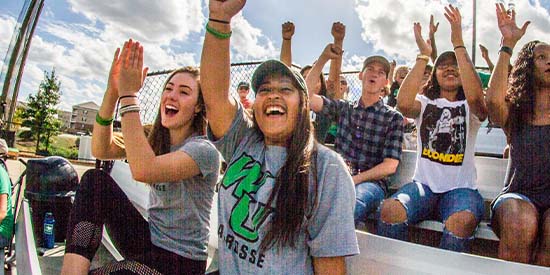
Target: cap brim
(276, 67)
(379, 59)
(444, 56)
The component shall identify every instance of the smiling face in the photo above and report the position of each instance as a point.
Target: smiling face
(541, 56)
(447, 74)
(373, 78)
(276, 108)
(178, 104)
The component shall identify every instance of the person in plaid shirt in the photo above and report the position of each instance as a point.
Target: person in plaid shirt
(370, 133)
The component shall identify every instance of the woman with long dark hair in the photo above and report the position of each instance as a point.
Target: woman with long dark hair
(179, 164)
(285, 202)
(448, 115)
(521, 105)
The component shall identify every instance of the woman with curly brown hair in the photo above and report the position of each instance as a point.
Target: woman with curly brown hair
(521, 105)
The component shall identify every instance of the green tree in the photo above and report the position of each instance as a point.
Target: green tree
(41, 115)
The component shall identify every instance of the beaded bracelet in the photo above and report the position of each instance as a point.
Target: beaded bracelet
(218, 34)
(102, 121)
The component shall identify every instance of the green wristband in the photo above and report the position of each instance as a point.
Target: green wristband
(103, 122)
(218, 34)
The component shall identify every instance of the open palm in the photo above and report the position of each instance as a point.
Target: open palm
(507, 24)
(423, 45)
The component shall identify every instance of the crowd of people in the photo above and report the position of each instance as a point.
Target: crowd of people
(285, 203)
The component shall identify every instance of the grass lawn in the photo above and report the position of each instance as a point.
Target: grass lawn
(62, 141)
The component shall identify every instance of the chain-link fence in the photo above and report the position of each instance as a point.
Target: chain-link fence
(149, 96)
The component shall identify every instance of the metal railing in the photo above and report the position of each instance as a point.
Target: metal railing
(149, 96)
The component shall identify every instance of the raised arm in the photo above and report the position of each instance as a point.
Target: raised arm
(330, 52)
(103, 146)
(485, 56)
(286, 48)
(215, 66)
(391, 79)
(333, 83)
(468, 75)
(406, 98)
(433, 30)
(498, 85)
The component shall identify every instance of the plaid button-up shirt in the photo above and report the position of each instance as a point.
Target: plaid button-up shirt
(366, 135)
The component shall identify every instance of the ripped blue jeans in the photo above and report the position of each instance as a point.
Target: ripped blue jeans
(421, 204)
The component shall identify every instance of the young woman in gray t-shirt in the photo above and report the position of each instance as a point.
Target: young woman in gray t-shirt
(180, 166)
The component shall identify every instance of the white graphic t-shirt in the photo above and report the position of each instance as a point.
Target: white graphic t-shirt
(446, 139)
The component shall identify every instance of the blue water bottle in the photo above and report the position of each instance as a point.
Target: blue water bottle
(49, 233)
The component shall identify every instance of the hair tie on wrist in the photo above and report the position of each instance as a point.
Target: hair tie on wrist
(506, 49)
(219, 21)
(127, 96)
(459, 46)
(217, 34)
(103, 121)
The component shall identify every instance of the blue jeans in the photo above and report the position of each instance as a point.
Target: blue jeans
(368, 196)
(421, 204)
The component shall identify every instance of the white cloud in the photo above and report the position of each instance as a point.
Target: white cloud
(149, 21)
(82, 53)
(388, 25)
(7, 24)
(249, 43)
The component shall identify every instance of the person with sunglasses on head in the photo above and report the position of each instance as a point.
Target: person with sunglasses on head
(448, 115)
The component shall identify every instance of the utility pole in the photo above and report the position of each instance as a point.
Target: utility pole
(16, 56)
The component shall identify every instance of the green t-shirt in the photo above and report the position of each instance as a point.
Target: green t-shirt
(6, 227)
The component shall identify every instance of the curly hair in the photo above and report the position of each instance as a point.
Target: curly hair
(521, 88)
(432, 90)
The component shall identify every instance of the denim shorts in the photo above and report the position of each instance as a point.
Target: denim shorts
(507, 196)
(422, 204)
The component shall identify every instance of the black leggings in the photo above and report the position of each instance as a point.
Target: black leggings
(100, 201)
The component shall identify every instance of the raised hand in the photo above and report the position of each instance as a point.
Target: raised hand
(484, 51)
(132, 73)
(433, 27)
(455, 19)
(288, 30)
(338, 31)
(112, 83)
(510, 31)
(225, 9)
(331, 51)
(393, 64)
(423, 45)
